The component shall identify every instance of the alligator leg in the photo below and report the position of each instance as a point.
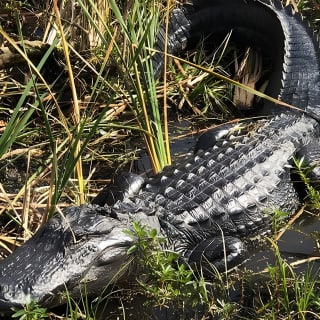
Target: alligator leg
(124, 185)
(219, 252)
(208, 139)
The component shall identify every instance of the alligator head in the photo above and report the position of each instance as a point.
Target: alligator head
(84, 246)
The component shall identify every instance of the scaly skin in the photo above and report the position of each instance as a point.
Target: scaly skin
(221, 195)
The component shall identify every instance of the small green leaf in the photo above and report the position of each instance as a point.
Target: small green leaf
(153, 233)
(19, 313)
(132, 249)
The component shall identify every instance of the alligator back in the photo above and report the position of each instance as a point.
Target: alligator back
(231, 188)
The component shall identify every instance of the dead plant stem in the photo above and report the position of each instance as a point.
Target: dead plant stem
(76, 108)
(165, 107)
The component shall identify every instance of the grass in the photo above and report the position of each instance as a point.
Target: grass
(71, 139)
(304, 171)
(164, 279)
(290, 295)
(65, 145)
(285, 294)
(31, 312)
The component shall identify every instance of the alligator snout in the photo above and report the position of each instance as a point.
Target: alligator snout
(80, 249)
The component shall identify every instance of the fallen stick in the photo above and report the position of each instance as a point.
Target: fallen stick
(10, 57)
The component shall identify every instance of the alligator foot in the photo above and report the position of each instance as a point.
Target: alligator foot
(219, 253)
(222, 132)
(124, 185)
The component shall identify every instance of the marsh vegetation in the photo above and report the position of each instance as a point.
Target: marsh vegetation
(86, 106)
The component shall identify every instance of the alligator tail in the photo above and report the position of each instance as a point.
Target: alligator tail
(284, 39)
(178, 35)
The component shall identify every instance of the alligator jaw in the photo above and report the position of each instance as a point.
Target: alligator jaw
(52, 261)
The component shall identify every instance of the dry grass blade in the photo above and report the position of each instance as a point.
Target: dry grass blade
(231, 81)
(76, 109)
(165, 107)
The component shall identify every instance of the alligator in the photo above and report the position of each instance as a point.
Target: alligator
(209, 204)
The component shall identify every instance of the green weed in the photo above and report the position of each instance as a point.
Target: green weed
(30, 312)
(279, 218)
(291, 295)
(199, 91)
(166, 279)
(169, 282)
(304, 171)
